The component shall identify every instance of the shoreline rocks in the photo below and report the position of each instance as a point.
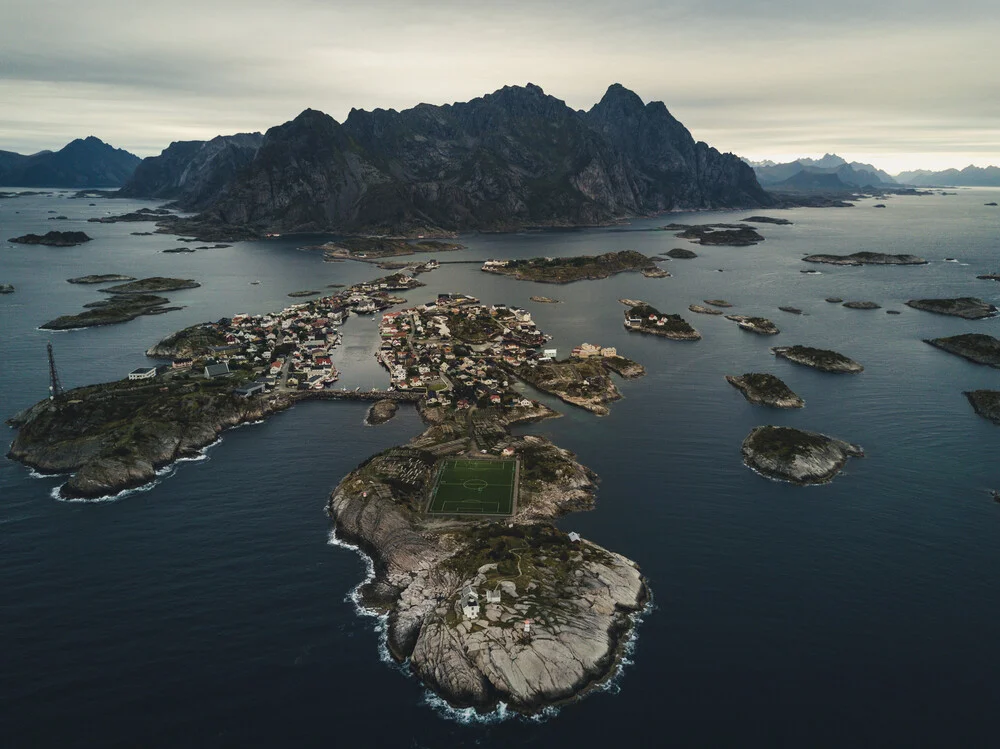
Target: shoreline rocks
(795, 455)
(821, 359)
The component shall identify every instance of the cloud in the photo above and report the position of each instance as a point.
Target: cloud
(768, 77)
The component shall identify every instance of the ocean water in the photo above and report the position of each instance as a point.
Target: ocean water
(211, 610)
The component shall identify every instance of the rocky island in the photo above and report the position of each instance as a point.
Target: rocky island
(796, 456)
(725, 235)
(767, 220)
(703, 310)
(817, 358)
(989, 277)
(866, 258)
(679, 253)
(103, 278)
(570, 269)
(986, 403)
(53, 239)
(718, 303)
(861, 305)
(120, 308)
(765, 390)
(976, 347)
(152, 285)
(647, 319)
(968, 308)
(381, 411)
(758, 325)
(6, 288)
(544, 300)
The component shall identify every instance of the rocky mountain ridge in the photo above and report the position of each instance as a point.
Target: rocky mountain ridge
(82, 163)
(514, 158)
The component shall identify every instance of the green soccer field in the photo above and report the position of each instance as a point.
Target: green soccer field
(474, 487)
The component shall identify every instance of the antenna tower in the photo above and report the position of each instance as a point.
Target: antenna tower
(55, 387)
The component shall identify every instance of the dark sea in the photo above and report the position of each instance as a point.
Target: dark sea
(212, 609)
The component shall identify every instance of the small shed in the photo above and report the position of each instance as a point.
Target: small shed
(574, 536)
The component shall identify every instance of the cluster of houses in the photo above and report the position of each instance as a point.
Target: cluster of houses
(421, 351)
(291, 347)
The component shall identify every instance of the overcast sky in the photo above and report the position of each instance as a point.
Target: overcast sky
(900, 83)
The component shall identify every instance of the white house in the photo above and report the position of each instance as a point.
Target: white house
(142, 373)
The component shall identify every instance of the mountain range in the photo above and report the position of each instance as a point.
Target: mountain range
(971, 176)
(828, 173)
(83, 163)
(514, 158)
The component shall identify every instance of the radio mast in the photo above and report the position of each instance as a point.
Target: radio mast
(55, 387)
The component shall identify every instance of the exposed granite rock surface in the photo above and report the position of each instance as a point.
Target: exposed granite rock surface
(797, 456)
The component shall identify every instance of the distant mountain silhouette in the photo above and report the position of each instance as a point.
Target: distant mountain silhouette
(971, 176)
(514, 158)
(852, 174)
(83, 163)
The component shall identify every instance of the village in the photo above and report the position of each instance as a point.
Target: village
(287, 350)
(460, 352)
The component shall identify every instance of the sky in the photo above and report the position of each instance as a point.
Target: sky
(902, 84)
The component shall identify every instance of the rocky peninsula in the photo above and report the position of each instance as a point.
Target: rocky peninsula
(115, 436)
(986, 403)
(817, 358)
(758, 325)
(976, 347)
(371, 248)
(53, 239)
(647, 319)
(582, 382)
(570, 269)
(968, 308)
(796, 456)
(866, 258)
(765, 390)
